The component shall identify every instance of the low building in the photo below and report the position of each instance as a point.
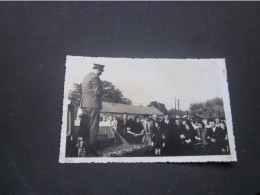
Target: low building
(117, 110)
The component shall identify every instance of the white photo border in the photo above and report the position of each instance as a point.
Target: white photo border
(232, 157)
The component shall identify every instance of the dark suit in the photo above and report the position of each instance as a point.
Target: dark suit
(170, 135)
(122, 127)
(137, 128)
(221, 142)
(212, 134)
(189, 136)
(91, 105)
(168, 128)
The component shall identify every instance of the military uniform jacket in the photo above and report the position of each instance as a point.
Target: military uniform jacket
(91, 91)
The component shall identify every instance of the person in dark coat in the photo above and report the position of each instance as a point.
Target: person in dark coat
(188, 140)
(212, 133)
(124, 126)
(168, 126)
(137, 130)
(222, 139)
(178, 132)
(89, 110)
(158, 138)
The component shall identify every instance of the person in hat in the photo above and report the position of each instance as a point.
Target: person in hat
(90, 106)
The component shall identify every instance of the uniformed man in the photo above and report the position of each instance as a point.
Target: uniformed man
(90, 107)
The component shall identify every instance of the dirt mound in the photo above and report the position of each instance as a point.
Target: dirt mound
(125, 150)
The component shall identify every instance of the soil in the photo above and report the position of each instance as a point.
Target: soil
(127, 149)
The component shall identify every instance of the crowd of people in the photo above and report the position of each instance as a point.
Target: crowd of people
(173, 136)
(166, 136)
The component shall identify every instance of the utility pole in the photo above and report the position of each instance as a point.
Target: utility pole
(175, 104)
(178, 104)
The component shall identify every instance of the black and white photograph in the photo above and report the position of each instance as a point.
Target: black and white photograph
(146, 110)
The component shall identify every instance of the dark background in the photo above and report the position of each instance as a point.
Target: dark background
(35, 38)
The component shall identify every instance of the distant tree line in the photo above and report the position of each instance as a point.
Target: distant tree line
(209, 109)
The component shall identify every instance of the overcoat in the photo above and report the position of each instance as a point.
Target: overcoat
(91, 91)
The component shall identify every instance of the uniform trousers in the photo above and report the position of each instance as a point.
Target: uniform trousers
(89, 125)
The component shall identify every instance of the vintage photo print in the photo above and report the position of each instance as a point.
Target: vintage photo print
(146, 110)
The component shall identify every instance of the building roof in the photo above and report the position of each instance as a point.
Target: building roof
(121, 108)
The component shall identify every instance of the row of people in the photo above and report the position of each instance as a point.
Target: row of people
(175, 137)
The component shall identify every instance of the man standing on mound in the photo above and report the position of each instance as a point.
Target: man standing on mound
(89, 111)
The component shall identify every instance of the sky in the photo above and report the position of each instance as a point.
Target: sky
(146, 80)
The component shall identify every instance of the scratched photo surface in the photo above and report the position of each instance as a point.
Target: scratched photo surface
(146, 110)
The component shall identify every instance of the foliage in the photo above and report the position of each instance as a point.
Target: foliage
(158, 105)
(113, 95)
(75, 95)
(208, 109)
